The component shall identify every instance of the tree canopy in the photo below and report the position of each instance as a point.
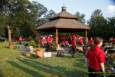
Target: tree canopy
(80, 17)
(21, 15)
(101, 26)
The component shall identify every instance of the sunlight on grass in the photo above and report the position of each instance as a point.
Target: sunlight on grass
(12, 65)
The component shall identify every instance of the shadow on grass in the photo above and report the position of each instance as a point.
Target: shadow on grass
(47, 68)
(1, 74)
(54, 71)
(80, 65)
(51, 70)
(25, 69)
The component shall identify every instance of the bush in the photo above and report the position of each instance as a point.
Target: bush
(53, 46)
(33, 43)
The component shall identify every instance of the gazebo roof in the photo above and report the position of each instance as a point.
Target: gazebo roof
(63, 14)
(63, 20)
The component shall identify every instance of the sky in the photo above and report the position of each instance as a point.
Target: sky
(86, 7)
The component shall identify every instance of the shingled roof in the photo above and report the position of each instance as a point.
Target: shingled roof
(63, 20)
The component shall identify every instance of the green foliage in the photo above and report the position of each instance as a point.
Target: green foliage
(99, 25)
(24, 17)
(27, 18)
(80, 17)
(46, 17)
(97, 13)
(53, 46)
(33, 43)
(111, 23)
(2, 25)
(21, 16)
(49, 14)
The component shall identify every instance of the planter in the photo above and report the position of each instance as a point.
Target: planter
(40, 52)
(11, 45)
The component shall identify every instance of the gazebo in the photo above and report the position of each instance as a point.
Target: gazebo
(63, 22)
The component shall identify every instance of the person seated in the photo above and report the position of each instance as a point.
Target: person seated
(90, 42)
(60, 51)
(80, 42)
(63, 43)
(66, 43)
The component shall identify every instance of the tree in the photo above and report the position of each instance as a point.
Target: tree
(2, 25)
(3, 4)
(99, 26)
(97, 13)
(111, 23)
(29, 19)
(21, 16)
(4, 14)
(80, 17)
(46, 17)
(49, 14)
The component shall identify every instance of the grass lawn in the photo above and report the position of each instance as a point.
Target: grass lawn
(12, 64)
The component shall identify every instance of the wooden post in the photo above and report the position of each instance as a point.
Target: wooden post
(85, 41)
(38, 38)
(56, 37)
(86, 38)
(9, 37)
(85, 33)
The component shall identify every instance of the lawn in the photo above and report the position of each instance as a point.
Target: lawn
(12, 64)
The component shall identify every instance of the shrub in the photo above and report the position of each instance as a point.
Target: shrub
(33, 43)
(53, 46)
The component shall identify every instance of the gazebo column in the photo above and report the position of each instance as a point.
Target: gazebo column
(85, 33)
(56, 37)
(86, 38)
(38, 38)
(86, 41)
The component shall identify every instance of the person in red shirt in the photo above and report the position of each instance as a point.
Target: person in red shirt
(80, 42)
(49, 39)
(113, 40)
(66, 43)
(49, 42)
(90, 42)
(73, 36)
(96, 59)
(73, 43)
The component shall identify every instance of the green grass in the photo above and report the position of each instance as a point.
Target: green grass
(12, 64)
